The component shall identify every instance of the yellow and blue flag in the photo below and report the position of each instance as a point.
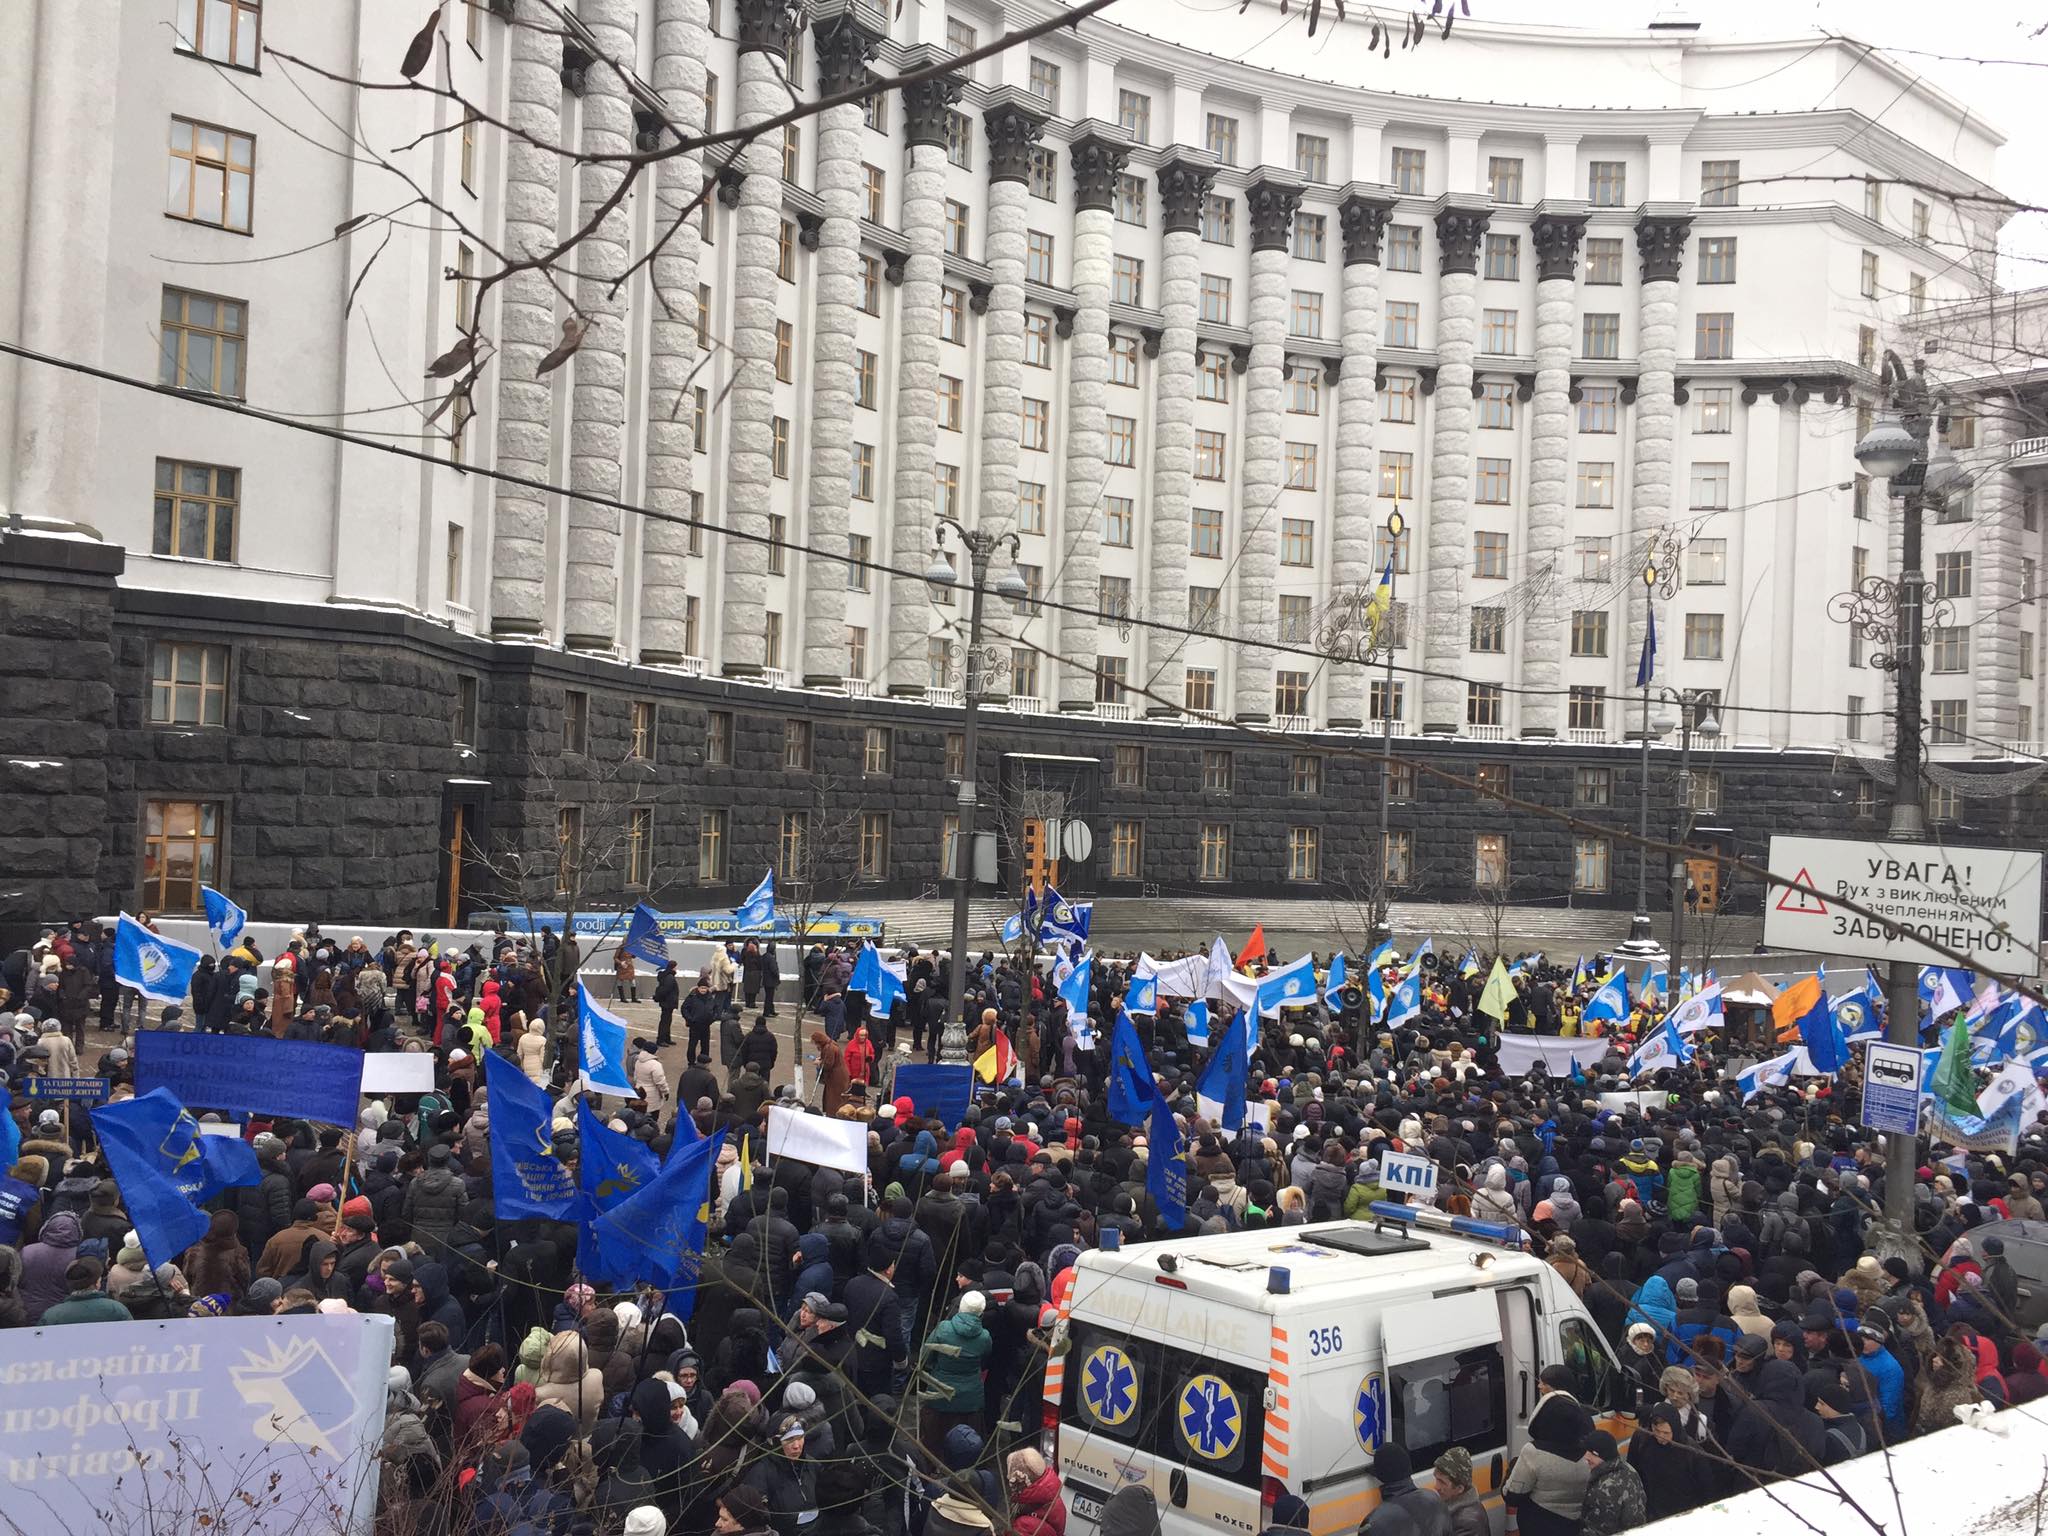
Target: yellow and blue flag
(166, 1168)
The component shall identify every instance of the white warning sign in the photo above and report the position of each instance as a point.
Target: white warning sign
(1983, 903)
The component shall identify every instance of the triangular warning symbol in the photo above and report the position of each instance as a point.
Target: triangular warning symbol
(1805, 903)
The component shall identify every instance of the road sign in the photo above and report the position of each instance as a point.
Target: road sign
(1406, 1174)
(89, 1089)
(1891, 1088)
(1984, 903)
(1076, 841)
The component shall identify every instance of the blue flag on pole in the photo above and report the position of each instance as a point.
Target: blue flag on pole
(165, 1168)
(1195, 1020)
(611, 1167)
(1060, 918)
(1611, 1001)
(1142, 995)
(1646, 664)
(1219, 1093)
(644, 939)
(1406, 1003)
(1166, 1165)
(225, 918)
(936, 1091)
(1292, 986)
(758, 910)
(657, 1234)
(159, 968)
(526, 1178)
(1130, 1075)
(883, 987)
(1012, 931)
(601, 1038)
(1333, 983)
(1074, 991)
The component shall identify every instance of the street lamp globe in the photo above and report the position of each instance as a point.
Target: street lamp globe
(940, 572)
(1709, 726)
(1010, 585)
(1945, 472)
(1887, 448)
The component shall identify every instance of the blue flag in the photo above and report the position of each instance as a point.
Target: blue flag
(1292, 986)
(758, 910)
(1142, 995)
(1407, 1002)
(657, 1234)
(1646, 665)
(601, 1038)
(882, 986)
(1195, 1019)
(1611, 1001)
(1013, 929)
(157, 967)
(1063, 919)
(611, 1167)
(165, 1168)
(937, 1092)
(1130, 1075)
(1074, 991)
(10, 1133)
(644, 939)
(1819, 1032)
(1219, 1093)
(1333, 983)
(225, 918)
(526, 1178)
(1166, 1165)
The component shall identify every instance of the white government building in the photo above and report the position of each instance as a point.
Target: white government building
(1192, 321)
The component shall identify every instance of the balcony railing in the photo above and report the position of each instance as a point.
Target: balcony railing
(2027, 448)
(944, 698)
(860, 688)
(1587, 736)
(1486, 732)
(1379, 728)
(1117, 711)
(1294, 725)
(1026, 704)
(775, 677)
(691, 666)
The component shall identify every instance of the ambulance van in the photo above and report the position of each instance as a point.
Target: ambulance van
(1223, 1371)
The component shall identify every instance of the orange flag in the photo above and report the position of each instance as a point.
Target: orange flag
(1254, 947)
(1792, 1005)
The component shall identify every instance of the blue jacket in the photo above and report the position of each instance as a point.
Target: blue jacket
(1654, 1304)
(1890, 1377)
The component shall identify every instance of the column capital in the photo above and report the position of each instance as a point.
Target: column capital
(1271, 203)
(1459, 234)
(1363, 218)
(1185, 181)
(928, 109)
(1660, 241)
(1098, 161)
(1013, 121)
(844, 47)
(1556, 237)
(766, 26)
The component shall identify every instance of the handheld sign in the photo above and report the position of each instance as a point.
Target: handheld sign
(1405, 1173)
(92, 1090)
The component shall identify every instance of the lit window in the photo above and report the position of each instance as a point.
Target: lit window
(1490, 860)
(1596, 483)
(1397, 475)
(1504, 179)
(1714, 410)
(1603, 263)
(180, 853)
(1209, 455)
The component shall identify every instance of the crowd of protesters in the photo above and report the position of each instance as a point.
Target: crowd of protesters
(868, 1356)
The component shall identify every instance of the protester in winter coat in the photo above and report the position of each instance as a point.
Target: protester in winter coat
(45, 1263)
(569, 1381)
(1615, 1498)
(217, 1264)
(952, 1362)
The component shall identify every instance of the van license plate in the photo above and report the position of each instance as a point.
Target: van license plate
(1087, 1509)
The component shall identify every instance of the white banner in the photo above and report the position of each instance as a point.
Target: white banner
(818, 1139)
(1518, 1053)
(398, 1072)
(1178, 978)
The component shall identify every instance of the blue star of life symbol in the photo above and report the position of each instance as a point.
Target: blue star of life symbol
(1369, 1413)
(1109, 1385)
(1210, 1420)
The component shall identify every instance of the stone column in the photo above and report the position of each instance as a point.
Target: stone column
(1183, 183)
(1556, 238)
(1013, 121)
(1460, 231)
(680, 30)
(1995, 637)
(527, 329)
(1660, 239)
(925, 109)
(844, 48)
(765, 27)
(1097, 164)
(597, 425)
(1270, 204)
(1364, 222)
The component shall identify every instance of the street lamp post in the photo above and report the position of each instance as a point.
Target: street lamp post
(980, 548)
(1893, 613)
(1640, 941)
(1696, 713)
(1383, 926)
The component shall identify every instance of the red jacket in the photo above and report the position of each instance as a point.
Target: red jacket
(1039, 1510)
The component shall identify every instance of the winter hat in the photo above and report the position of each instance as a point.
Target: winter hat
(649, 1521)
(265, 1290)
(1688, 1289)
(973, 1303)
(1390, 1463)
(1456, 1465)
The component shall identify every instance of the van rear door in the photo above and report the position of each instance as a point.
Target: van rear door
(1447, 1376)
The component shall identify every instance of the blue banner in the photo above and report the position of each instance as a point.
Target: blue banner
(526, 1178)
(253, 1074)
(644, 940)
(521, 923)
(936, 1091)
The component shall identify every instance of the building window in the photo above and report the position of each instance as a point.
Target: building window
(1720, 183)
(1599, 408)
(1867, 285)
(1212, 377)
(1134, 115)
(796, 830)
(180, 852)
(188, 683)
(785, 251)
(1126, 850)
(1592, 554)
(1714, 335)
(1123, 441)
(778, 447)
(1037, 257)
(956, 227)
(878, 751)
(711, 847)
(1042, 174)
(1311, 236)
(1305, 314)
(1706, 563)
(1709, 487)
(1503, 257)
(1497, 333)
(1852, 718)
(1312, 156)
(1407, 167)
(946, 487)
(1024, 672)
(1044, 82)
(1592, 787)
(1397, 477)
(1205, 532)
(1219, 220)
(1297, 541)
(862, 480)
(1703, 636)
(856, 650)
(203, 340)
(575, 721)
(1586, 708)
(1112, 679)
(1037, 429)
(1215, 863)
(1304, 853)
(1490, 861)
(1113, 596)
(1220, 137)
(212, 175)
(1949, 648)
(1118, 521)
(1482, 704)
(1399, 857)
(1717, 260)
(1602, 336)
(785, 351)
(1209, 455)
(870, 285)
(2026, 658)
(1384, 699)
(1404, 248)
(1590, 858)
(1304, 389)
(467, 158)
(1215, 299)
(1200, 690)
(1130, 200)
(1216, 771)
(1397, 400)
(569, 848)
(1301, 467)
(1952, 572)
(225, 31)
(953, 315)
(1951, 722)
(873, 182)
(1400, 780)
(960, 37)
(1703, 791)
(1922, 225)
(1490, 555)
(718, 738)
(1607, 183)
(1714, 410)
(796, 745)
(1589, 632)
(874, 845)
(1403, 324)
(197, 508)
(1489, 633)
(1037, 341)
(467, 691)
(1503, 180)
(1603, 263)
(1128, 286)
(1596, 483)
(1031, 502)
(1127, 767)
(959, 148)
(1492, 486)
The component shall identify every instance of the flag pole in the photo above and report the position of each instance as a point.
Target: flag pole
(348, 1161)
